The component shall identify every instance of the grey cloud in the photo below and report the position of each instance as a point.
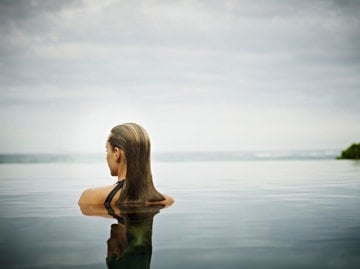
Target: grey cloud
(233, 51)
(21, 11)
(348, 7)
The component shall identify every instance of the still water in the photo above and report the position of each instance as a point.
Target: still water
(230, 214)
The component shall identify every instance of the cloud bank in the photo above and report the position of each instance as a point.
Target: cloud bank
(199, 75)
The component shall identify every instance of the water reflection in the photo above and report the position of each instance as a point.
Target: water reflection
(130, 242)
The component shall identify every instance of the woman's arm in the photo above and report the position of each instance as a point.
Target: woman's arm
(97, 196)
(166, 203)
(90, 197)
(97, 210)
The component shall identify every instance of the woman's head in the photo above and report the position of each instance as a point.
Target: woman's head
(132, 144)
(129, 143)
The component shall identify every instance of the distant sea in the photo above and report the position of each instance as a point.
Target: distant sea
(178, 156)
(240, 209)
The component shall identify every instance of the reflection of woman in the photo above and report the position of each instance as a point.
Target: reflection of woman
(128, 158)
(130, 244)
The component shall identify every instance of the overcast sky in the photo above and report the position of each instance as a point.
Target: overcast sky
(198, 75)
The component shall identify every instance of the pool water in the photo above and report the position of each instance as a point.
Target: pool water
(231, 214)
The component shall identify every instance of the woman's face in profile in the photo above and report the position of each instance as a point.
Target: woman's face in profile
(111, 160)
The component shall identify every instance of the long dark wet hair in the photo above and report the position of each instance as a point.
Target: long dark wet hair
(133, 140)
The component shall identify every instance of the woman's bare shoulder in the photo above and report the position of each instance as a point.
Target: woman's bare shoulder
(167, 202)
(95, 196)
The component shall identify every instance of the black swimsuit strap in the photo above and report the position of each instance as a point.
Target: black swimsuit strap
(111, 195)
(109, 198)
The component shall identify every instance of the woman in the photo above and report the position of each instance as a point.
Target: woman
(128, 158)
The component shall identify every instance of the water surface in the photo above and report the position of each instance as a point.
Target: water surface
(227, 214)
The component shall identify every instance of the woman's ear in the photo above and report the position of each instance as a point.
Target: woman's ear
(122, 156)
(117, 154)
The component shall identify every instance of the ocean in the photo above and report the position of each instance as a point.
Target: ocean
(231, 210)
